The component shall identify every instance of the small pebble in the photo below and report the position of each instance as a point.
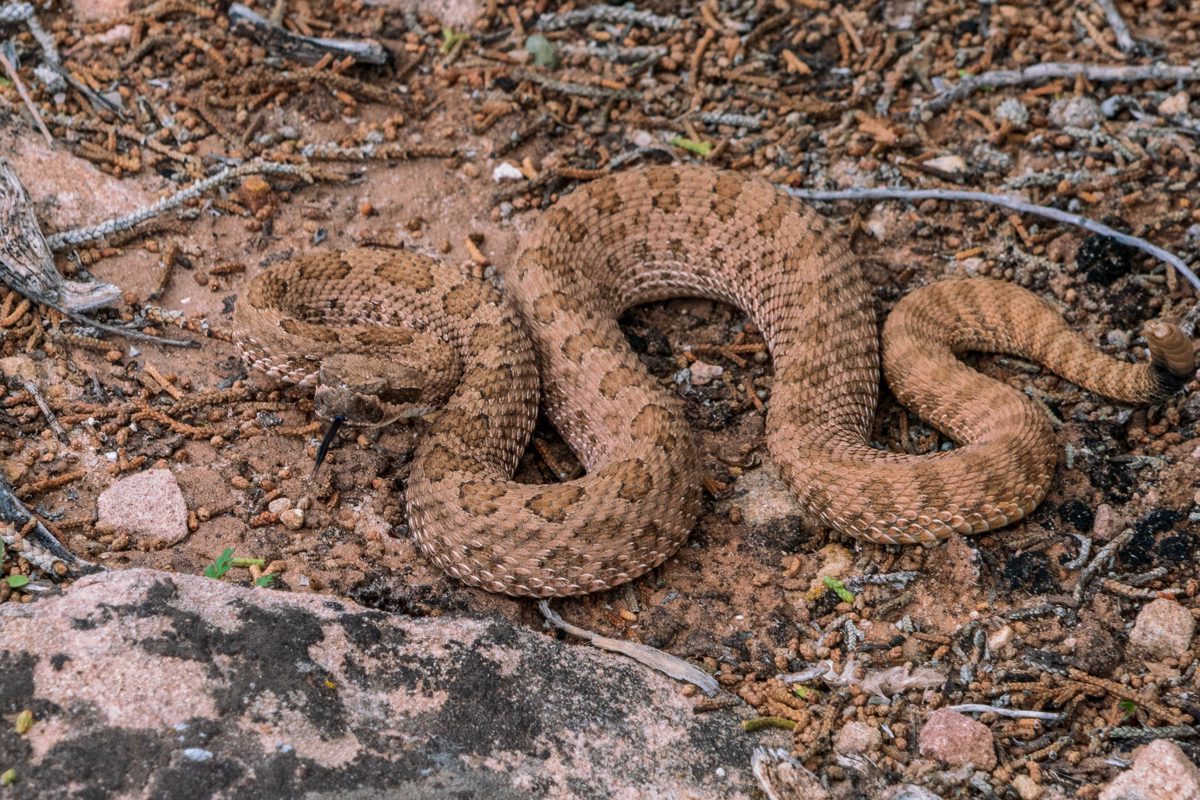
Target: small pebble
(279, 505)
(1163, 629)
(292, 519)
(1075, 112)
(1174, 106)
(507, 172)
(1014, 112)
(704, 373)
(956, 740)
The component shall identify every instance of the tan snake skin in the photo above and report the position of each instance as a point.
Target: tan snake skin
(385, 334)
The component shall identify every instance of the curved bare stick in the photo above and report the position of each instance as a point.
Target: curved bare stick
(1011, 203)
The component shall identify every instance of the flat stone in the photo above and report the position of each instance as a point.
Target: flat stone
(204, 487)
(1163, 629)
(100, 10)
(456, 13)
(857, 737)
(1175, 105)
(279, 505)
(155, 684)
(1076, 111)
(957, 740)
(1160, 771)
(704, 373)
(148, 505)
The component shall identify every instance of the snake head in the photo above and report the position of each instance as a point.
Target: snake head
(366, 392)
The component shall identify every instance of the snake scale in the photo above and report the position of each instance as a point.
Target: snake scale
(385, 334)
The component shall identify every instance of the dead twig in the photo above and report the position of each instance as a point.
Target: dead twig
(34, 540)
(1125, 40)
(655, 659)
(29, 104)
(305, 49)
(1097, 73)
(26, 262)
(1012, 203)
(574, 89)
(47, 412)
(607, 13)
(123, 223)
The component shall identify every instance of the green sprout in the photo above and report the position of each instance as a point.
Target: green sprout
(838, 588)
(451, 37)
(699, 148)
(218, 568)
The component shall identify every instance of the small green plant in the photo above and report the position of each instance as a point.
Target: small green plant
(265, 581)
(699, 148)
(218, 568)
(838, 588)
(8, 777)
(1128, 707)
(451, 38)
(17, 581)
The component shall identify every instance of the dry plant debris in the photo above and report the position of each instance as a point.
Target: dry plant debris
(1083, 108)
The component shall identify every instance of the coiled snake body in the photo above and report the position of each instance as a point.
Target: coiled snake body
(387, 334)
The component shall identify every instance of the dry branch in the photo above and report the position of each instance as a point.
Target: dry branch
(1011, 203)
(1125, 40)
(1098, 73)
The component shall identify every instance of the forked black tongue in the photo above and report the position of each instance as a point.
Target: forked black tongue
(335, 425)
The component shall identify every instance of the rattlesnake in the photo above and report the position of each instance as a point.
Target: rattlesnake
(385, 334)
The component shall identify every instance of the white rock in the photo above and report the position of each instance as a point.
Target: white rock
(292, 519)
(1000, 639)
(279, 505)
(951, 165)
(505, 171)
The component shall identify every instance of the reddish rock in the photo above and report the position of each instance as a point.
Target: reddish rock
(1160, 771)
(1164, 628)
(148, 505)
(955, 740)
